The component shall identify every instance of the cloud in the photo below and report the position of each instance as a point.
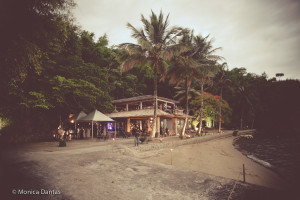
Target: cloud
(262, 36)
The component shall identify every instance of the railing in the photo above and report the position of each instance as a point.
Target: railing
(176, 111)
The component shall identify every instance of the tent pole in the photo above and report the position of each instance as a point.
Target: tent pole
(75, 132)
(115, 130)
(92, 131)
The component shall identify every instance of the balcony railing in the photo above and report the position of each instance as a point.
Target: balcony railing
(176, 111)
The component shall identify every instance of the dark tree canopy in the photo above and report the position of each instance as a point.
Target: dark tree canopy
(50, 68)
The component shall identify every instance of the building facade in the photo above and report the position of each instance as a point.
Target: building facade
(137, 112)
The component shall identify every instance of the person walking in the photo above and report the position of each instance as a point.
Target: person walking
(137, 138)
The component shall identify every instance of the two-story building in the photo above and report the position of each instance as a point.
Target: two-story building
(138, 112)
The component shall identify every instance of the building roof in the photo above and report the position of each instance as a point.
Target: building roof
(78, 116)
(142, 98)
(143, 113)
(96, 116)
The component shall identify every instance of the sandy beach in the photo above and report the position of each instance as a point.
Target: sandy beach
(118, 170)
(218, 157)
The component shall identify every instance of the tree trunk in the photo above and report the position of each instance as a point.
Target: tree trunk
(186, 107)
(220, 112)
(201, 110)
(155, 103)
(242, 115)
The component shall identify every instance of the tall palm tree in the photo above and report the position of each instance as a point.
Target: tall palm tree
(156, 43)
(240, 81)
(184, 68)
(222, 81)
(207, 66)
(207, 72)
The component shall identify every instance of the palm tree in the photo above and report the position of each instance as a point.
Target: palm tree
(180, 94)
(207, 68)
(156, 43)
(207, 72)
(184, 68)
(221, 81)
(245, 95)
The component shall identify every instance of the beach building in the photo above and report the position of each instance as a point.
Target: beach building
(137, 112)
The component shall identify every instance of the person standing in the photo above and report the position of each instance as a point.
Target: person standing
(137, 138)
(77, 133)
(81, 133)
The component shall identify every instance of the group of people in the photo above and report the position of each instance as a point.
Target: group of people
(164, 133)
(82, 132)
(164, 107)
(79, 133)
(62, 134)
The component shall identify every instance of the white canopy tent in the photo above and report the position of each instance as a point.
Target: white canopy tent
(95, 116)
(76, 118)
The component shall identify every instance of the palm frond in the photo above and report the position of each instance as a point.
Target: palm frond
(132, 62)
(173, 34)
(181, 94)
(137, 34)
(146, 23)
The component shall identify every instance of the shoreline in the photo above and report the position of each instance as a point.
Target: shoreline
(274, 157)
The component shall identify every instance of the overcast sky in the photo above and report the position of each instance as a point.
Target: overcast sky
(260, 35)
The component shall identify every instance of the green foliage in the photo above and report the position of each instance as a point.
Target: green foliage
(156, 44)
(280, 109)
(211, 108)
(36, 100)
(50, 68)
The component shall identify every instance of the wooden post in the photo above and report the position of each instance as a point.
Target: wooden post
(174, 120)
(244, 175)
(128, 125)
(92, 131)
(171, 156)
(158, 125)
(141, 105)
